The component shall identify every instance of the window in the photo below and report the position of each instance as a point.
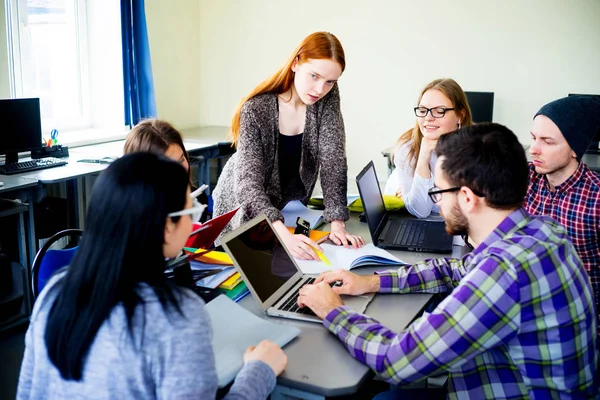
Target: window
(68, 53)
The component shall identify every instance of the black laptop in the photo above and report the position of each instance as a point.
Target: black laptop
(409, 234)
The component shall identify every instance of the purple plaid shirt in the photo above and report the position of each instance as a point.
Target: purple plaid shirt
(519, 320)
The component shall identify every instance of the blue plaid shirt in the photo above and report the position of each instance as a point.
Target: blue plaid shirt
(519, 321)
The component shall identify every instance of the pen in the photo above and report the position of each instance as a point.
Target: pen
(321, 256)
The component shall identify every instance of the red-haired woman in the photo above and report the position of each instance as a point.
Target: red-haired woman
(287, 131)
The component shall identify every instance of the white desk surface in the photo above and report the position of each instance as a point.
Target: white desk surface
(194, 139)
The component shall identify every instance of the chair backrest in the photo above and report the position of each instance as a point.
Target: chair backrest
(47, 261)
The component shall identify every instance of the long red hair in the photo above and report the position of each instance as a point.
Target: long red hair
(318, 45)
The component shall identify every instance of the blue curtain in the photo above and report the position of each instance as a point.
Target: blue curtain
(137, 66)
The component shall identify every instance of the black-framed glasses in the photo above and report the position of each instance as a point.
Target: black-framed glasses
(435, 194)
(436, 112)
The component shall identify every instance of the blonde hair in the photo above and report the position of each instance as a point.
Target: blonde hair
(316, 46)
(457, 96)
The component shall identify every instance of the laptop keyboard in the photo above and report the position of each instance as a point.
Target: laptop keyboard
(410, 233)
(291, 305)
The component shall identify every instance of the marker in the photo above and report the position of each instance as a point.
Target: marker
(321, 256)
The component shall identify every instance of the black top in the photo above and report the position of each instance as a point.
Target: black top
(290, 151)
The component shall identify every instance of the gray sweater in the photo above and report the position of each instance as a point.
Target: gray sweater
(250, 178)
(171, 359)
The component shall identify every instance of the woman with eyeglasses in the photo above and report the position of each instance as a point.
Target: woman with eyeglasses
(111, 325)
(442, 108)
(288, 131)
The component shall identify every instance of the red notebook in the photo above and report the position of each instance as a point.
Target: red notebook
(203, 235)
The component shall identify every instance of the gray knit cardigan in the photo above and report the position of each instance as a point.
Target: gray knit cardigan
(250, 178)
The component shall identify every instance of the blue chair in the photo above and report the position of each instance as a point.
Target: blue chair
(47, 261)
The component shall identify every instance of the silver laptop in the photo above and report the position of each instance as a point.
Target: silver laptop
(270, 272)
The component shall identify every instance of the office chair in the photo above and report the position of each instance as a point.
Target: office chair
(47, 261)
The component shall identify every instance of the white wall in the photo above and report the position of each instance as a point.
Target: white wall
(527, 52)
(173, 33)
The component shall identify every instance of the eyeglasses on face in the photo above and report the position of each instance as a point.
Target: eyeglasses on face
(435, 194)
(436, 112)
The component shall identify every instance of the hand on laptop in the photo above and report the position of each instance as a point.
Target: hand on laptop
(300, 246)
(320, 298)
(352, 284)
(340, 236)
(269, 353)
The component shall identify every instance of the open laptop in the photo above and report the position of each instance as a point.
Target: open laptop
(409, 234)
(271, 273)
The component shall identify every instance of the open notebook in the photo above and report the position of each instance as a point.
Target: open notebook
(234, 330)
(343, 258)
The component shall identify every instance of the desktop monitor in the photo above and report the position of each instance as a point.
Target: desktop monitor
(481, 105)
(595, 146)
(21, 127)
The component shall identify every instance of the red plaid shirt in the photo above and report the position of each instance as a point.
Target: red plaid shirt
(575, 204)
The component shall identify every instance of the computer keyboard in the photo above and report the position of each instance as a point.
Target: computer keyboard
(32, 165)
(410, 234)
(291, 304)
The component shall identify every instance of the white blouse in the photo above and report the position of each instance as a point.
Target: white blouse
(413, 187)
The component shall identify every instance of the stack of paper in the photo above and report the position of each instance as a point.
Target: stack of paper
(234, 330)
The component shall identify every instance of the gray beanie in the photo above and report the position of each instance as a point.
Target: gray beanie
(577, 117)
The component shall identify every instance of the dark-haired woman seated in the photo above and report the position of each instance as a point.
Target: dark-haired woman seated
(111, 325)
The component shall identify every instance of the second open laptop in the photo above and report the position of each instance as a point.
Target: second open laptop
(409, 234)
(270, 272)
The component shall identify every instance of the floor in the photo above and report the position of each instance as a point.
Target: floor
(12, 345)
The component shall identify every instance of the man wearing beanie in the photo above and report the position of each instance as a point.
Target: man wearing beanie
(560, 184)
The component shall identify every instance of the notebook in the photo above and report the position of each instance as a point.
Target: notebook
(349, 258)
(295, 209)
(271, 273)
(204, 235)
(234, 330)
(409, 234)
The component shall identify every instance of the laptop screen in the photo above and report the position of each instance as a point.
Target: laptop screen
(370, 194)
(262, 258)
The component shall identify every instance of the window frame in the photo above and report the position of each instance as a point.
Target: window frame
(85, 119)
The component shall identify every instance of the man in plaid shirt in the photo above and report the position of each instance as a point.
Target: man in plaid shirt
(519, 321)
(560, 184)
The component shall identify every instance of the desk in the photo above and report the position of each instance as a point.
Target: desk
(23, 189)
(20, 188)
(203, 142)
(318, 363)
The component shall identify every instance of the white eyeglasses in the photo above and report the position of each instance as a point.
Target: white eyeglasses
(189, 211)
